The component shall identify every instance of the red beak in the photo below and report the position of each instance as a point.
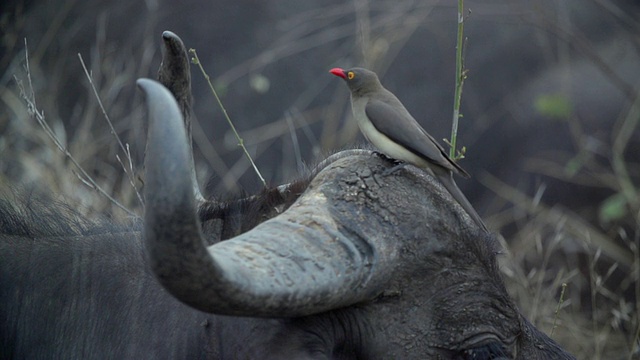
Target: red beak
(338, 72)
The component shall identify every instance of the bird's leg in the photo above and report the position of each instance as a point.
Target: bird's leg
(398, 165)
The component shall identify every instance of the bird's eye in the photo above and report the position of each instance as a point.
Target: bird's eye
(351, 75)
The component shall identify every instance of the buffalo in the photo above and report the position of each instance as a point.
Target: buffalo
(343, 263)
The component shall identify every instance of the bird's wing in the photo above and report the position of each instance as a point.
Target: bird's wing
(402, 128)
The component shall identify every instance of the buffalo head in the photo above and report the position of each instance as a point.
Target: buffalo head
(364, 265)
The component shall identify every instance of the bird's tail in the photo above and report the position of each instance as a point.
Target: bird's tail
(447, 180)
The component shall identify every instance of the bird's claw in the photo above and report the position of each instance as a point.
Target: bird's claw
(398, 165)
(385, 157)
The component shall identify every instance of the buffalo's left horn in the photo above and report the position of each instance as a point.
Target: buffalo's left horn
(298, 263)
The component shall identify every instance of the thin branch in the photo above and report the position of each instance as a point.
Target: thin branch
(224, 111)
(560, 302)
(125, 149)
(130, 175)
(294, 140)
(33, 111)
(104, 112)
(460, 77)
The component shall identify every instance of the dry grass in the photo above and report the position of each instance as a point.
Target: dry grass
(553, 246)
(99, 144)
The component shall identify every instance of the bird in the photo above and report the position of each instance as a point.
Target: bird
(388, 125)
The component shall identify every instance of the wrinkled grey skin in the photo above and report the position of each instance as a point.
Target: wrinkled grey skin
(344, 264)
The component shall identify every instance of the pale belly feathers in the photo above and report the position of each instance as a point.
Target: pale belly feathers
(380, 140)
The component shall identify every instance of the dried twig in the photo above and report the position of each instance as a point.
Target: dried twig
(560, 302)
(29, 97)
(224, 111)
(130, 173)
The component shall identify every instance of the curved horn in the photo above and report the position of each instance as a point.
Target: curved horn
(175, 74)
(299, 263)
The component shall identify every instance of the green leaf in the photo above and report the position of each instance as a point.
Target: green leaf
(573, 166)
(613, 208)
(555, 106)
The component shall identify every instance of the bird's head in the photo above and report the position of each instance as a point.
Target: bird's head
(359, 80)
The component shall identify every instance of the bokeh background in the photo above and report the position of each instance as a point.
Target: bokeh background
(551, 111)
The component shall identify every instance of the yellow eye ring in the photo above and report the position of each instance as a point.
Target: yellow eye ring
(350, 75)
